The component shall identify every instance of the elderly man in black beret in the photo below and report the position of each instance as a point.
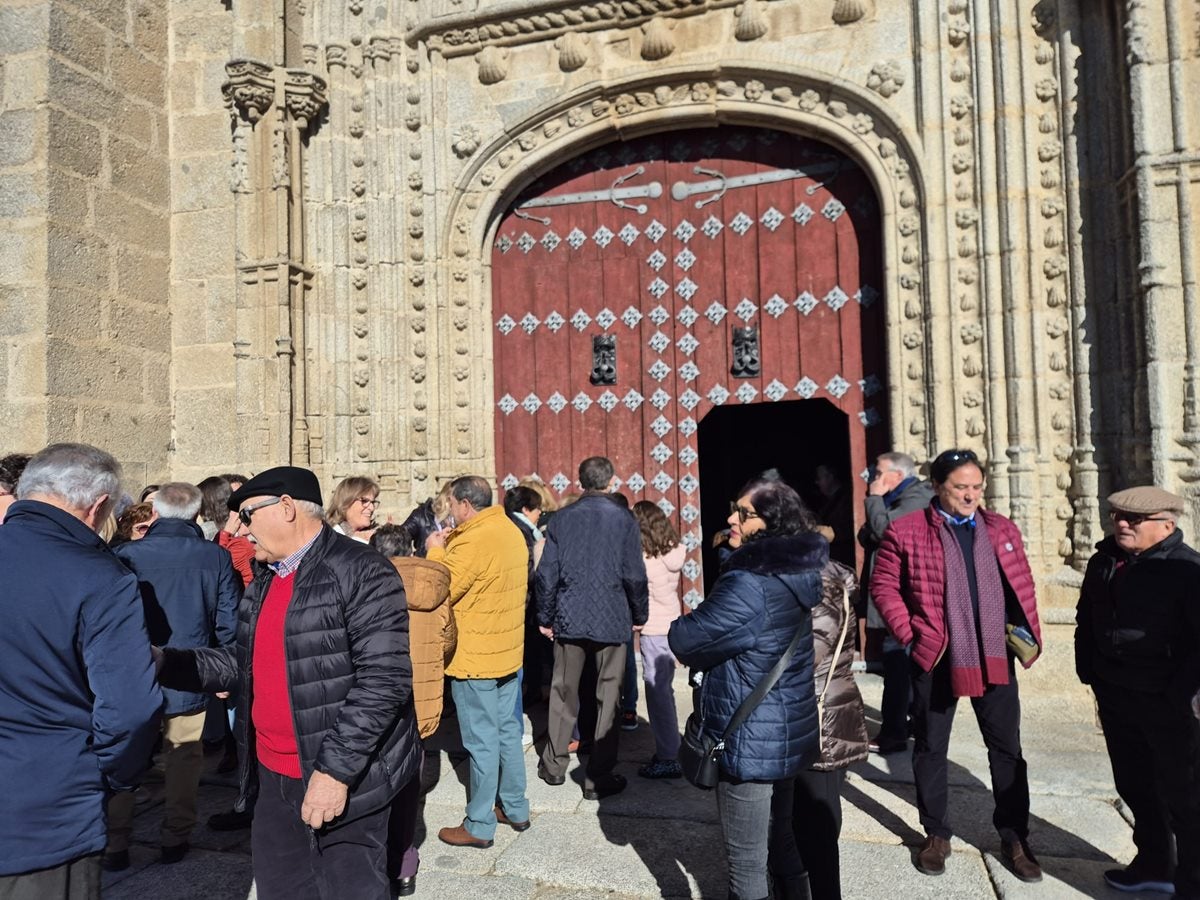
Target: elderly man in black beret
(1138, 645)
(325, 695)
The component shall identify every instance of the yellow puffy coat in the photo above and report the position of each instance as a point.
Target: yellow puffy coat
(431, 634)
(489, 566)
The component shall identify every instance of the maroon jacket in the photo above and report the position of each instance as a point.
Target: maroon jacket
(908, 582)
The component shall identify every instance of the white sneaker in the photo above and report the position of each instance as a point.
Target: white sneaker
(526, 739)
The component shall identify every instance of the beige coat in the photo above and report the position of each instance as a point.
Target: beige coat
(432, 634)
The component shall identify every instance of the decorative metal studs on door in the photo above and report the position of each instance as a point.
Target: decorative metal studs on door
(747, 360)
(604, 359)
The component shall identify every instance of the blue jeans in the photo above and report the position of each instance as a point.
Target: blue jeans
(629, 686)
(491, 735)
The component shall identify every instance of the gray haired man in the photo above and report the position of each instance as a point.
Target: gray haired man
(79, 708)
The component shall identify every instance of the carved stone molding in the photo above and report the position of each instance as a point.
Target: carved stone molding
(305, 95)
(840, 113)
(464, 34)
(847, 11)
(249, 90)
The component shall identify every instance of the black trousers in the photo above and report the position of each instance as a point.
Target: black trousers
(806, 821)
(78, 879)
(998, 713)
(570, 658)
(291, 862)
(1154, 747)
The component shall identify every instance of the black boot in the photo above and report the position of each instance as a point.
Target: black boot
(791, 887)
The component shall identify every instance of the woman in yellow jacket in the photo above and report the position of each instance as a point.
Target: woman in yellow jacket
(432, 637)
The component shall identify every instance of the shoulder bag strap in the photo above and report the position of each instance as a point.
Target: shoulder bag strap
(768, 681)
(837, 652)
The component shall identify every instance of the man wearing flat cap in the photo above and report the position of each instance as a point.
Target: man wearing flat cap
(1138, 645)
(325, 695)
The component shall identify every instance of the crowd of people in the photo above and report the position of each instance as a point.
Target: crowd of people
(334, 639)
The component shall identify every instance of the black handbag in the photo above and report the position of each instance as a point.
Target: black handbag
(699, 752)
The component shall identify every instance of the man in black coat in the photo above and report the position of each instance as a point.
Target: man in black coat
(324, 691)
(591, 592)
(895, 491)
(1138, 645)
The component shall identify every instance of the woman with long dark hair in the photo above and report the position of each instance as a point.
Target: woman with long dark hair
(759, 604)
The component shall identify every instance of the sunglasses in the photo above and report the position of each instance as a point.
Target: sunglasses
(246, 513)
(742, 513)
(960, 456)
(1133, 520)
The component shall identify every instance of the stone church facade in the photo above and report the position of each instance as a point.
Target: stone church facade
(240, 234)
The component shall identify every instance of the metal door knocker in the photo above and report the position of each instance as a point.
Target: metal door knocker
(747, 360)
(604, 359)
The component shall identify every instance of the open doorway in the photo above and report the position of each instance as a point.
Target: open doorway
(796, 437)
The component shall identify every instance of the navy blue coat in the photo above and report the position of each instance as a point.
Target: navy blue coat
(591, 582)
(190, 593)
(765, 592)
(78, 702)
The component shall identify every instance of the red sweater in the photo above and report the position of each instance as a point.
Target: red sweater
(242, 552)
(271, 711)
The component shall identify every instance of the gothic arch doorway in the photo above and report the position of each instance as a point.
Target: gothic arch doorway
(642, 285)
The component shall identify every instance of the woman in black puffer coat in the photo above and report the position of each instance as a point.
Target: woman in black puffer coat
(764, 595)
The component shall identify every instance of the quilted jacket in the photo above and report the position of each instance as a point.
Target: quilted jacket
(346, 645)
(843, 726)
(432, 634)
(591, 582)
(764, 594)
(488, 564)
(908, 583)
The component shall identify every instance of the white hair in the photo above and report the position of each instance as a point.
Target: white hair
(78, 474)
(177, 500)
(901, 462)
(310, 509)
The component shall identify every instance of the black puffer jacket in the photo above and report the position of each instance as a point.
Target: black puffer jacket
(591, 582)
(421, 523)
(346, 642)
(843, 727)
(1138, 624)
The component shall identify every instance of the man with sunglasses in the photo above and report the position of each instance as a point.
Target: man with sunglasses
(1138, 645)
(324, 684)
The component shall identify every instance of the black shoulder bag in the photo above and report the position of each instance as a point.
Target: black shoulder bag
(700, 753)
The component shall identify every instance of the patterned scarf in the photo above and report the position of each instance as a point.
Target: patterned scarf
(968, 675)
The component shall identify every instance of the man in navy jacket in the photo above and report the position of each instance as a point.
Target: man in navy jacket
(78, 702)
(190, 593)
(591, 591)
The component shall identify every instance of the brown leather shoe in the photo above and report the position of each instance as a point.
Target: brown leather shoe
(1020, 861)
(460, 837)
(931, 858)
(505, 820)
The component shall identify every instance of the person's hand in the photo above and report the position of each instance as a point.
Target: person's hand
(436, 539)
(547, 633)
(324, 800)
(637, 629)
(878, 487)
(222, 695)
(157, 655)
(1196, 704)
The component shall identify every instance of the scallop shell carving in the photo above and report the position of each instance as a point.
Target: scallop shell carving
(751, 23)
(847, 11)
(572, 51)
(493, 65)
(658, 42)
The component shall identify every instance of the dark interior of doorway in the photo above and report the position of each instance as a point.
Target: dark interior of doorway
(735, 443)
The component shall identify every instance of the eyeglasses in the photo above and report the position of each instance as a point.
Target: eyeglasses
(247, 512)
(367, 501)
(742, 513)
(1133, 520)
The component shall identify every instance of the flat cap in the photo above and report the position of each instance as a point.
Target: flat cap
(1146, 500)
(297, 483)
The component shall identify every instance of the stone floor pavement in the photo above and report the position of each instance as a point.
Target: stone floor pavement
(662, 838)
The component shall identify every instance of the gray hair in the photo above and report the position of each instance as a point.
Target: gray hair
(595, 473)
(901, 462)
(472, 489)
(310, 509)
(78, 474)
(178, 500)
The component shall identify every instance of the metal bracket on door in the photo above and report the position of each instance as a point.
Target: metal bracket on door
(615, 195)
(682, 190)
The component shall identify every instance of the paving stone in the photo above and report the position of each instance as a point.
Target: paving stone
(201, 875)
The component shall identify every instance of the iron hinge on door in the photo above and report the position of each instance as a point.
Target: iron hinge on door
(616, 195)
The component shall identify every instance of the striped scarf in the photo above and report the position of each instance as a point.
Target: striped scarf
(969, 676)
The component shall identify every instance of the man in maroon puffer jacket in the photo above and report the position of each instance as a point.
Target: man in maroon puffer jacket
(947, 580)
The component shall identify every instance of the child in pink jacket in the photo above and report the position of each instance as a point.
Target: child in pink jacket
(664, 556)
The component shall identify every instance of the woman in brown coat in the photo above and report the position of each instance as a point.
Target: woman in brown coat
(432, 637)
(806, 814)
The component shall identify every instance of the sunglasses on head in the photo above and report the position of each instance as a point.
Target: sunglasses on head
(960, 456)
(245, 513)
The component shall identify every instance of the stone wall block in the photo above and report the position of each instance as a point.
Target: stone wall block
(24, 82)
(22, 310)
(23, 28)
(20, 195)
(87, 370)
(27, 371)
(136, 325)
(200, 36)
(23, 253)
(73, 313)
(142, 277)
(66, 198)
(156, 381)
(20, 138)
(150, 28)
(205, 424)
(76, 260)
(74, 144)
(137, 75)
(134, 436)
(78, 40)
(81, 94)
(200, 182)
(203, 133)
(138, 173)
(112, 14)
(204, 242)
(128, 222)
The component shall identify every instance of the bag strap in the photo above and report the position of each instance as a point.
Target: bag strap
(768, 681)
(837, 652)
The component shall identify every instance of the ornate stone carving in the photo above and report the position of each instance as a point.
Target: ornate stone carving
(250, 88)
(572, 51)
(493, 65)
(847, 11)
(751, 21)
(657, 41)
(466, 141)
(305, 96)
(886, 78)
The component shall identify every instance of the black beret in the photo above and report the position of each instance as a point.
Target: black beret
(297, 483)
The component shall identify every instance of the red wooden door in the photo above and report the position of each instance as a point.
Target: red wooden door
(669, 243)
